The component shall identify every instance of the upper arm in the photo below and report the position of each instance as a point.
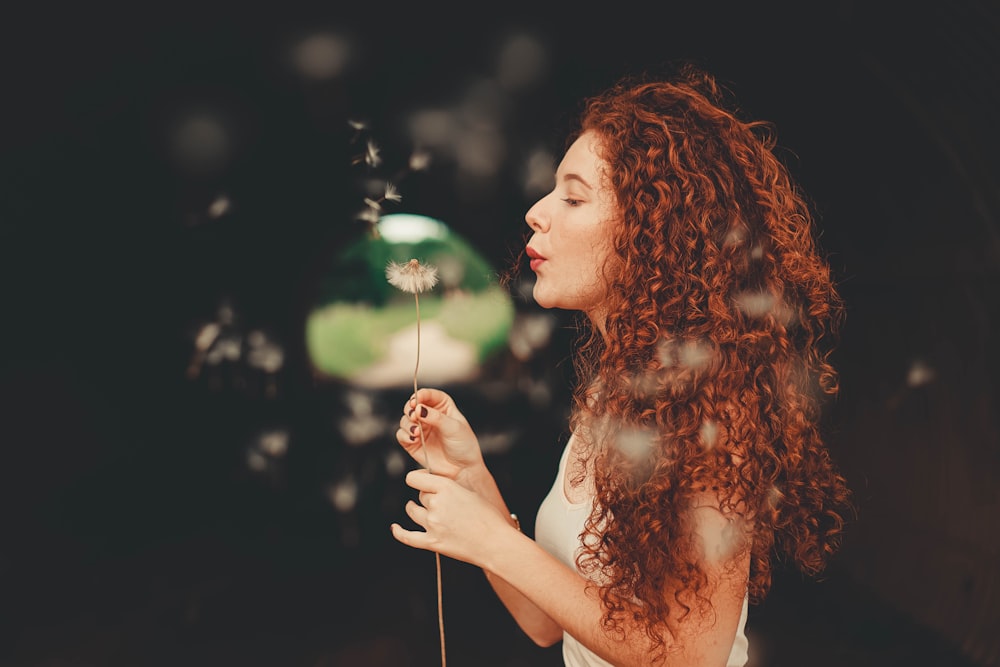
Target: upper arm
(721, 544)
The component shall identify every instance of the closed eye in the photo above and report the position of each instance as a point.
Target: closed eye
(572, 202)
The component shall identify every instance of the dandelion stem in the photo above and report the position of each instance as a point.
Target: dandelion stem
(427, 464)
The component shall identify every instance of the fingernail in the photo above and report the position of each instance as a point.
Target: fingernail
(410, 413)
(413, 429)
(423, 411)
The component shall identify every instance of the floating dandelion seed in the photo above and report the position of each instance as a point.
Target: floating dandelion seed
(414, 278)
(372, 157)
(391, 193)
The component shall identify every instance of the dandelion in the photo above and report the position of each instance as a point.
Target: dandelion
(414, 278)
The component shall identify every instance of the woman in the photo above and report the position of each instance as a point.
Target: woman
(695, 454)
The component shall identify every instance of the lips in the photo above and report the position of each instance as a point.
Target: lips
(536, 258)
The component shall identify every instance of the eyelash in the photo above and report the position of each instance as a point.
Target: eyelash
(571, 202)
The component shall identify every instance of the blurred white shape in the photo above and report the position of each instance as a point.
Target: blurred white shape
(538, 392)
(219, 206)
(523, 62)
(435, 128)
(256, 338)
(230, 347)
(256, 461)
(420, 160)
(756, 303)
(206, 336)
(695, 354)
(343, 495)
(720, 542)
(359, 402)
(200, 141)
(360, 429)
(691, 354)
(269, 357)
(539, 173)
(321, 56)
(395, 463)
(530, 333)
(410, 228)
(496, 442)
(774, 496)
(635, 443)
(481, 151)
(734, 237)
(225, 313)
(484, 105)
(273, 443)
(443, 359)
(709, 433)
(920, 374)
(451, 270)
(756, 252)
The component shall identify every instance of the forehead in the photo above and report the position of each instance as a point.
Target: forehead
(583, 158)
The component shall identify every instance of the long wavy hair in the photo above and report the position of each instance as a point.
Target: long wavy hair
(714, 361)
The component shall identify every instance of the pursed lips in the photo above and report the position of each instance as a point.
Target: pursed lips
(536, 258)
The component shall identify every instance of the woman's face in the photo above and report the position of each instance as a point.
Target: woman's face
(572, 228)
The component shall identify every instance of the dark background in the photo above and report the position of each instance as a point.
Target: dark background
(135, 528)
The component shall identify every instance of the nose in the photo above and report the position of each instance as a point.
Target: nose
(536, 217)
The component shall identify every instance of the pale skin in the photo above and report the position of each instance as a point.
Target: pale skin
(462, 514)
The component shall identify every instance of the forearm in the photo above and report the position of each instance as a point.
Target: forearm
(533, 621)
(570, 602)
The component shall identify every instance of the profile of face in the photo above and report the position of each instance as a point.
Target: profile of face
(572, 227)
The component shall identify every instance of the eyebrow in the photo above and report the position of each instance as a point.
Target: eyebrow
(577, 177)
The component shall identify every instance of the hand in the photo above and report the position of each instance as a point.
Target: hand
(449, 446)
(457, 522)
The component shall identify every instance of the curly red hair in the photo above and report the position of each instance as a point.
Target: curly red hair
(721, 319)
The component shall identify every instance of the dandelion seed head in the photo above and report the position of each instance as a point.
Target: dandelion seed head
(412, 277)
(372, 204)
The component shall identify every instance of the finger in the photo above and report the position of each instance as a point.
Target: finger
(417, 513)
(422, 480)
(411, 538)
(406, 439)
(408, 426)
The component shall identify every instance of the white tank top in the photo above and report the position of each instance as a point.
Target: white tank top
(558, 526)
